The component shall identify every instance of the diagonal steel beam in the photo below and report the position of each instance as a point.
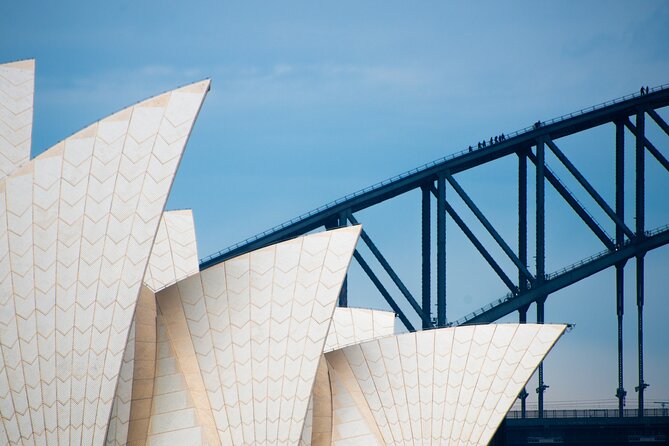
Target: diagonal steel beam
(386, 295)
(631, 249)
(658, 120)
(566, 195)
(651, 148)
(477, 244)
(489, 227)
(588, 187)
(386, 266)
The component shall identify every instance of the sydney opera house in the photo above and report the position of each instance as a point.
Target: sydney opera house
(110, 333)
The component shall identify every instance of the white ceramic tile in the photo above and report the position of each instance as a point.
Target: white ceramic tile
(264, 362)
(174, 254)
(17, 81)
(481, 370)
(354, 325)
(75, 245)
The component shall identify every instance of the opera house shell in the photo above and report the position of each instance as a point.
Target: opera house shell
(111, 335)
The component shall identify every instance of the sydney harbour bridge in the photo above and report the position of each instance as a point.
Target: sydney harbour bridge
(530, 285)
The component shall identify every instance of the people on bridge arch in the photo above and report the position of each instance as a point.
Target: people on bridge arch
(495, 140)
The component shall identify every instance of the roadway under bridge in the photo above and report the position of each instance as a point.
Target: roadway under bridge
(530, 283)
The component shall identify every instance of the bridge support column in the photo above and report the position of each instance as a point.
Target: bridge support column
(343, 294)
(640, 234)
(522, 251)
(441, 251)
(426, 265)
(522, 318)
(540, 257)
(522, 218)
(540, 214)
(640, 297)
(542, 386)
(620, 267)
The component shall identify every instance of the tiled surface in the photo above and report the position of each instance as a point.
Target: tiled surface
(76, 228)
(17, 83)
(349, 326)
(352, 420)
(354, 325)
(258, 325)
(179, 387)
(446, 386)
(172, 408)
(174, 254)
(117, 434)
(317, 428)
(232, 355)
(131, 409)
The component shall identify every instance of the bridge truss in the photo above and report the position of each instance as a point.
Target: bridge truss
(628, 116)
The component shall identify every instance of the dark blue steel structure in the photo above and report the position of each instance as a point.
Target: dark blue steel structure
(530, 144)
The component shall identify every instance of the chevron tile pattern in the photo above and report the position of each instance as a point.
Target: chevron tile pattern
(120, 412)
(455, 394)
(181, 413)
(109, 334)
(317, 428)
(76, 228)
(17, 84)
(131, 409)
(174, 254)
(258, 324)
(349, 326)
(356, 325)
(352, 420)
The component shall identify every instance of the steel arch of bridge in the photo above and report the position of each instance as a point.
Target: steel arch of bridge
(531, 144)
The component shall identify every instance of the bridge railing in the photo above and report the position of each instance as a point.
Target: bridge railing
(553, 275)
(419, 169)
(587, 413)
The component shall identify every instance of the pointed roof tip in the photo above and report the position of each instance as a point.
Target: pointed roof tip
(178, 211)
(158, 100)
(201, 87)
(353, 229)
(161, 99)
(363, 309)
(21, 64)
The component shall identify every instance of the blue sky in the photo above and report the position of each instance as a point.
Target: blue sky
(311, 101)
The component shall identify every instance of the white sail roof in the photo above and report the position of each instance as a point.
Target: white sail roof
(76, 228)
(445, 386)
(258, 324)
